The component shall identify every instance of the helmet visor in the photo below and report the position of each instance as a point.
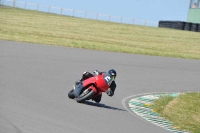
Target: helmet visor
(113, 77)
(111, 80)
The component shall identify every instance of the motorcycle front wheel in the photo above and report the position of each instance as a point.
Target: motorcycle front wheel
(86, 95)
(71, 94)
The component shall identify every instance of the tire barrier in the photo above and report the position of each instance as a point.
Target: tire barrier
(172, 24)
(194, 27)
(198, 28)
(187, 26)
(180, 25)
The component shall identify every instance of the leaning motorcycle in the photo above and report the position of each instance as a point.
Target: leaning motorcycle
(90, 88)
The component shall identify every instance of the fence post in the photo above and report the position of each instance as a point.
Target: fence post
(49, 9)
(37, 7)
(145, 22)
(190, 4)
(13, 3)
(61, 11)
(97, 17)
(73, 13)
(133, 21)
(25, 5)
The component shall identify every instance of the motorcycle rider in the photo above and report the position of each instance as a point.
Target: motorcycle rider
(112, 86)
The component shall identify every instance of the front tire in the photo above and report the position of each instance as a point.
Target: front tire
(71, 94)
(85, 96)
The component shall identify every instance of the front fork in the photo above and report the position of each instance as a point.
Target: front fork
(77, 89)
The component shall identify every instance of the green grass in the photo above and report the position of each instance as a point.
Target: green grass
(159, 105)
(183, 111)
(44, 28)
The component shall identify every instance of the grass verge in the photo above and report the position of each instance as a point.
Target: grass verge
(183, 111)
(44, 28)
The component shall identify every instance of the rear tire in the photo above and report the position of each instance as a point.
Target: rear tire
(86, 96)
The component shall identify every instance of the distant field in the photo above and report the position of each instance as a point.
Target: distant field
(43, 28)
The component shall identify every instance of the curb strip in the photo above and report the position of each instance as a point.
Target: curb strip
(141, 106)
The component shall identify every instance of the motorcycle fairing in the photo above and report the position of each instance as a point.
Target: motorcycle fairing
(102, 82)
(82, 85)
(98, 84)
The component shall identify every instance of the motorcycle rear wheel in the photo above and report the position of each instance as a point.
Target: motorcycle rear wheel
(85, 96)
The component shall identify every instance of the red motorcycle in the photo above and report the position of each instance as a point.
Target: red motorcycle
(90, 88)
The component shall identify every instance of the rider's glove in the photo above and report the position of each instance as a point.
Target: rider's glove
(110, 92)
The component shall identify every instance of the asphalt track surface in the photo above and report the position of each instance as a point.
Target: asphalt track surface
(35, 80)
